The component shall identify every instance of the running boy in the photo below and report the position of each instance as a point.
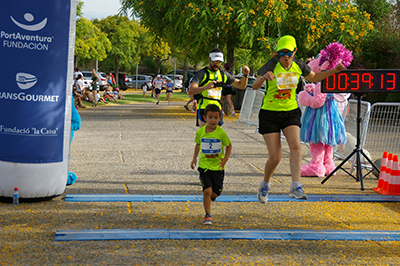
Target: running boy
(211, 141)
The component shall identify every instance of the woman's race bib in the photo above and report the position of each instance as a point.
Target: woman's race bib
(286, 80)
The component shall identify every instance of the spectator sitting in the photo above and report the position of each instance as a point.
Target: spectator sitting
(118, 95)
(100, 99)
(78, 91)
(85, 90)
(108, 95)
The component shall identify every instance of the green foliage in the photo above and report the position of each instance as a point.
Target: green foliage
(378, 9)
(197, 26)
(149, 63)
(79, 9)
(126, 37)
(90, 42)
(381, 48)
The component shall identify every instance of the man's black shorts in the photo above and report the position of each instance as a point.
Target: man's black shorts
(213, 179)
(275, 121)
(227, 90)
(157, 91)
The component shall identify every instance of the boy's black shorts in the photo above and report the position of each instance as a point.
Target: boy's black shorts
(275, 121)
(213, 179)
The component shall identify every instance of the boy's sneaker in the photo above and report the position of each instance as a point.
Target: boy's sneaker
(262, 194)
(298, 193)
(187, 108)
(207, 219)
(232, 114)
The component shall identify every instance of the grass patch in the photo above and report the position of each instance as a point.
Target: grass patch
(137, 97)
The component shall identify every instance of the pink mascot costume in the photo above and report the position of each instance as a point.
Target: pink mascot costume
(322, 124)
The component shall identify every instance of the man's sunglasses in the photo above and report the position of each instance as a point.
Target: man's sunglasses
(282, 54)
(217, 62)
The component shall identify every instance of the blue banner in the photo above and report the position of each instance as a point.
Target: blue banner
(34, 37)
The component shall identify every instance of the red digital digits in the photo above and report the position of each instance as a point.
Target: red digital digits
(334, 82)
(369, 80)
(393, 81)
(342, 77)
(362, 81)
(356, 81)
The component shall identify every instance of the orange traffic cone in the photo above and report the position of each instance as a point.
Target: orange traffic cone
(387, 173)
(394, 182)
(382, 172)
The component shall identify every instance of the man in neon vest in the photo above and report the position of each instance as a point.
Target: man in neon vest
(209, 81)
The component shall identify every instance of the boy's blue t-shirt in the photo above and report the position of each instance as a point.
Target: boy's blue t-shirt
(212, 147)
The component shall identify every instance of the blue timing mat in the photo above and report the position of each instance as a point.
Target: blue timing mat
(141, 234)
(223, 198)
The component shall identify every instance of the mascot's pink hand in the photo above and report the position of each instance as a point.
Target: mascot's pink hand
(305, 99)
(314, 101)
(319, 98)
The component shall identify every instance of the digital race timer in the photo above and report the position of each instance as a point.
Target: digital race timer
(363, 81)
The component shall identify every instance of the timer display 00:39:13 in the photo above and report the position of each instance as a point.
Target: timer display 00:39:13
(363, 81)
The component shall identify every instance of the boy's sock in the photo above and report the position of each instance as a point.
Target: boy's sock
(296, 184)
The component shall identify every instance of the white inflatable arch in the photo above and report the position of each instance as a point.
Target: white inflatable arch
(37, 49)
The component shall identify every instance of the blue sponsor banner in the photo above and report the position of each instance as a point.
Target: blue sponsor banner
(34, 38)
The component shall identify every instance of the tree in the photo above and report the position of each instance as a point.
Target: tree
(378, 9)
(158, 49)
(125, 37)
(90, 42)
(318, 23)
(381, 47)
(256, 25)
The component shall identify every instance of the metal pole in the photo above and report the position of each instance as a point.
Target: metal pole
(137, 70)
(174, 71)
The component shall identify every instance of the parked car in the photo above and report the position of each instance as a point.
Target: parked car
(177, 82)
(87, 75)
(123, 81)
(180, 72)
(141, 79)
(103, 80)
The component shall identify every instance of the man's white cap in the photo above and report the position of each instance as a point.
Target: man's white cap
(217, 56)
(158, 76)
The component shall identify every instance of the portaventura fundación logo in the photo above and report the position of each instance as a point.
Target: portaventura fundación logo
(29, 17)
(30, 41)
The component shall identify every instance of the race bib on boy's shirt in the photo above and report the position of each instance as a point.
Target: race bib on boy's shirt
(286, 80)
(211, 146)
(214, 93)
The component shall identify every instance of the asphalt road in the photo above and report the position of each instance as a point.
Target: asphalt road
(147, 149)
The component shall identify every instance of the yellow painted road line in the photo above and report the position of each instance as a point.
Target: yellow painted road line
(121, 156)
(128, 203)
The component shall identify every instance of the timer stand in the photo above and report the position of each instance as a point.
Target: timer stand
(357, 151)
